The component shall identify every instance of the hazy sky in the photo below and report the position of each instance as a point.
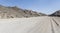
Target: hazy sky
(44, 6)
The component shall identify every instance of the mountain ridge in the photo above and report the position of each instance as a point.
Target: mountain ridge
(15, 12)
(57, 14)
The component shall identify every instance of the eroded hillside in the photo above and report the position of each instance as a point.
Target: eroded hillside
(15, 12)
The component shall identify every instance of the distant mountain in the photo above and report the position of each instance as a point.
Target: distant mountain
(57, 13)
(15, 12)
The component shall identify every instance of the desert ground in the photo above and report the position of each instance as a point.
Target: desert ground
(42, 24)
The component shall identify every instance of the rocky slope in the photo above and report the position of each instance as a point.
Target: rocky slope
(57, 13)
(15, 12)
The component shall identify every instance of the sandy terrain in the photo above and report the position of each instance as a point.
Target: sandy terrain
(30, 25)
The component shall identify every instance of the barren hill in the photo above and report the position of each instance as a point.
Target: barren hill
(15, 12)
(57, 13)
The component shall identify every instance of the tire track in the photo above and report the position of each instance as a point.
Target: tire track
(52, 28)
(55, 22)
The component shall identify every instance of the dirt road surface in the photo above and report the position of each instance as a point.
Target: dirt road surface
(43, 24)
